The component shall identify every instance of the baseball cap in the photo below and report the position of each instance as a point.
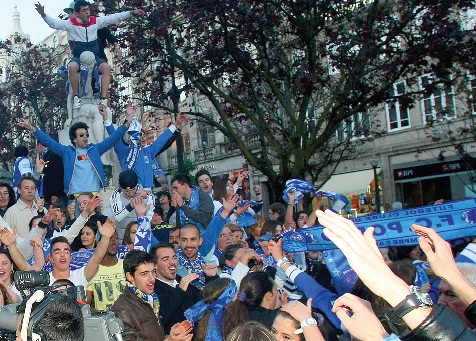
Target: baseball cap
(128, 179)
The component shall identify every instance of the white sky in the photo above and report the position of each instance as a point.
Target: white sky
(30, 21)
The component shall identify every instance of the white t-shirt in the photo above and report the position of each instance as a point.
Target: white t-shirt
(76, 276)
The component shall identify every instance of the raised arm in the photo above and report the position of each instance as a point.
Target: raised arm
(107, 231)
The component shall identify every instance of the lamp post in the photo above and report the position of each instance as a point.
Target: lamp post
(374, 163)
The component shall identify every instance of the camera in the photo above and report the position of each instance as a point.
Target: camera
(97, 326)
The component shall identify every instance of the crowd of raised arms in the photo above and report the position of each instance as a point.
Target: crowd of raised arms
(199, 261)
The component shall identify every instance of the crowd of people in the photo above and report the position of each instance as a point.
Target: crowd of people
(203, 261)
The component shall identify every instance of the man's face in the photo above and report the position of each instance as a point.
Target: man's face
(225, 238)
(166, 264)
(61, 254)
(82, 137)
(143, 139)
(164, 199)
(273, 215)
(190, 241)
(84, 14)
(156, 219)
(143, 278)
(205, 183)
(174, 239)
(40, 148)
(456, 304)
(59, 221)
(130, 192)
(238, 255)
(26, 189)
(113, 245)
(184, 190)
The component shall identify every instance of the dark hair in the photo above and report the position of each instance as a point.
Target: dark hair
(77, 243)
(63, 209)
(234, 315)
(134, 259)
(296, 323)
(269, 226)
(30, 223)
(250, 330)
(159, 210)
(127, 232)
(24, 178)
(7, 298)
(182, 179)
(200, 173)
(20, 151)
(229, 253)
(11, 194)
(255, 285)
(219, 190)
(7, 253)
(278, 207)
(59, 239)
(77, 125)
(405, 270)
(153, 249)
(62, 320)
(79, 3)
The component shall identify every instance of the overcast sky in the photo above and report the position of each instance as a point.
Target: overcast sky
(30, 20)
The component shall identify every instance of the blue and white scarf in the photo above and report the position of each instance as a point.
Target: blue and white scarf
(226, 269)
(194, 202)
(217, 308)
(153, 299)
(135, 145)
(195, 266)
(143, 235)
(301, 187)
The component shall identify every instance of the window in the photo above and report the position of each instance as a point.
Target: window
(186, 142)
(438, 102)
(55, 42)
(207, 135)
(398, 114)
(472, 93)
(353, 127)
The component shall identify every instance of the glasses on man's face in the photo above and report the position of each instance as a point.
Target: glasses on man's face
(224, 235)
(83, 134)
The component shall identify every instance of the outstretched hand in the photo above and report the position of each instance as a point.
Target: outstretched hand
(94, 203)
(7, 237)
(181, 331)
(50, 215)
(24, 123)
(362, 315)
(103, 111)
(181, 121)
(107, 230)
(230, 204)
(40, 9)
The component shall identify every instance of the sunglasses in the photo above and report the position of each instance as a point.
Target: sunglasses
(83, 134)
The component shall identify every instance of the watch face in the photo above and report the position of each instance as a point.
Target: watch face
(310, 321)
(422, 296)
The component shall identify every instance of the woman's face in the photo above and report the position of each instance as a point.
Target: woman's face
(415, 254)
(83, 200)
(257, 231)
(4, 197)
(237, 237)
(6, 269)
(133, 232)
(88, 238)
(278, 229)
(283, 329)
(229, 189)
(302, 219)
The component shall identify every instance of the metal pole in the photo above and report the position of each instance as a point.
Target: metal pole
(377, 190)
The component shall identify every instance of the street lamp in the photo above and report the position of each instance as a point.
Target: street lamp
(374, 163)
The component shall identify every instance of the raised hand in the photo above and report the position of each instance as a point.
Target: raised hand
(230, 204)
(36, 241)
(107, 230)
(39, 163)
(140, 207)
(187, 279)
(181, 121)
(7, 237)
(361, 315)
(24, 123)
(103, 111)
(210, 269)
(94, 203)
(40, 203)
(50, 215)
(40, 9)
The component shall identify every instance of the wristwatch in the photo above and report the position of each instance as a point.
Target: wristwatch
(283, 260)
(417, 297)
(308, 321)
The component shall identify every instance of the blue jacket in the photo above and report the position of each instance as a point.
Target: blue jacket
(68, 154)
(143, 167)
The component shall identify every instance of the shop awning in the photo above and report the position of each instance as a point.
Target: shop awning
(349, 183)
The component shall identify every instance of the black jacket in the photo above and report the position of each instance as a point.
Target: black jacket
(441, 324)
(53, 174)
(174, 302)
